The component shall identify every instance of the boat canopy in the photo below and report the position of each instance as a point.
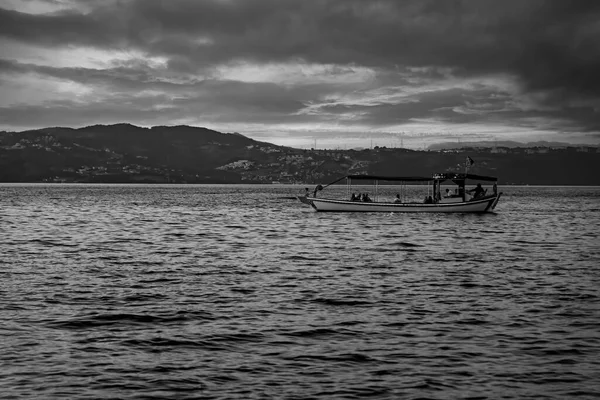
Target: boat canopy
(378, 178)
(462, 177)
(390, 178)
(455, 177)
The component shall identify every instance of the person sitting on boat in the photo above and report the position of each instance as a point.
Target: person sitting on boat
(428, 200)
(353, 197)
(449, 193)
(317, 188)
(306, 192)
(397, 199)
(477, 191)
(366, 198)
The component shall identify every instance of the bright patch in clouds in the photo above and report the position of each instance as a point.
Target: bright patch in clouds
(37, 6)
(36, 90)
(77, 57)
(296, 73)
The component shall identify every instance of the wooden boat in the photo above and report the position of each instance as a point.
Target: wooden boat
(457, 201)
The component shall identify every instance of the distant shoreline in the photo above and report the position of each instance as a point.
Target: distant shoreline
(291, 185)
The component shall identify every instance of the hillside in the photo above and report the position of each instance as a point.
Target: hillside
(184, 154)
(496, 143)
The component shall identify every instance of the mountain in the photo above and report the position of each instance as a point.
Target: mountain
(180, 154)
(498, 143)
(124, 153)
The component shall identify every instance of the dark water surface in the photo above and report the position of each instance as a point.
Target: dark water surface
(219, 292)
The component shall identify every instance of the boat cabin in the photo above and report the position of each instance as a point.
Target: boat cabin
(458, 191)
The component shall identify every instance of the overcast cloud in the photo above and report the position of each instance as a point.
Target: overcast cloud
(342, 72)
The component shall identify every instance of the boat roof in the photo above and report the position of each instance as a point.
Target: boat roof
(436, 177)
(390, 178)
(458, 177)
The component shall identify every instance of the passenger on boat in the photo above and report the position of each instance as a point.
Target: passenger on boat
(317, 188)
(448, 193)
(366, 198)
(353, 197)
(428, 200)
(397, 199)
(477, 191)
(306, 192)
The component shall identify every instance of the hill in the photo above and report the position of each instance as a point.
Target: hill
(498, 143)
(184, 154)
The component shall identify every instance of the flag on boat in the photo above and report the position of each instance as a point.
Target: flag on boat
(470, 161)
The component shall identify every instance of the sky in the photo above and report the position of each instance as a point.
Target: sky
(306, 73)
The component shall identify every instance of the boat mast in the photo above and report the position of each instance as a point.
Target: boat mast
(348, 184)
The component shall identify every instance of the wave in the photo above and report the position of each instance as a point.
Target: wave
(341, 302)
(92, 321)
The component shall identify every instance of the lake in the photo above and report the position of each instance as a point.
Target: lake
(234, 291)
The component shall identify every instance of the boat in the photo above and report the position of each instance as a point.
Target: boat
(458, 200)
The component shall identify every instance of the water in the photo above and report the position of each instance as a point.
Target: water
(220, 292)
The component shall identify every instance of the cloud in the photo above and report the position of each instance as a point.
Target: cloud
(325, 65)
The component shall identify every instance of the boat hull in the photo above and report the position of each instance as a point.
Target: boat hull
(482, 205)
